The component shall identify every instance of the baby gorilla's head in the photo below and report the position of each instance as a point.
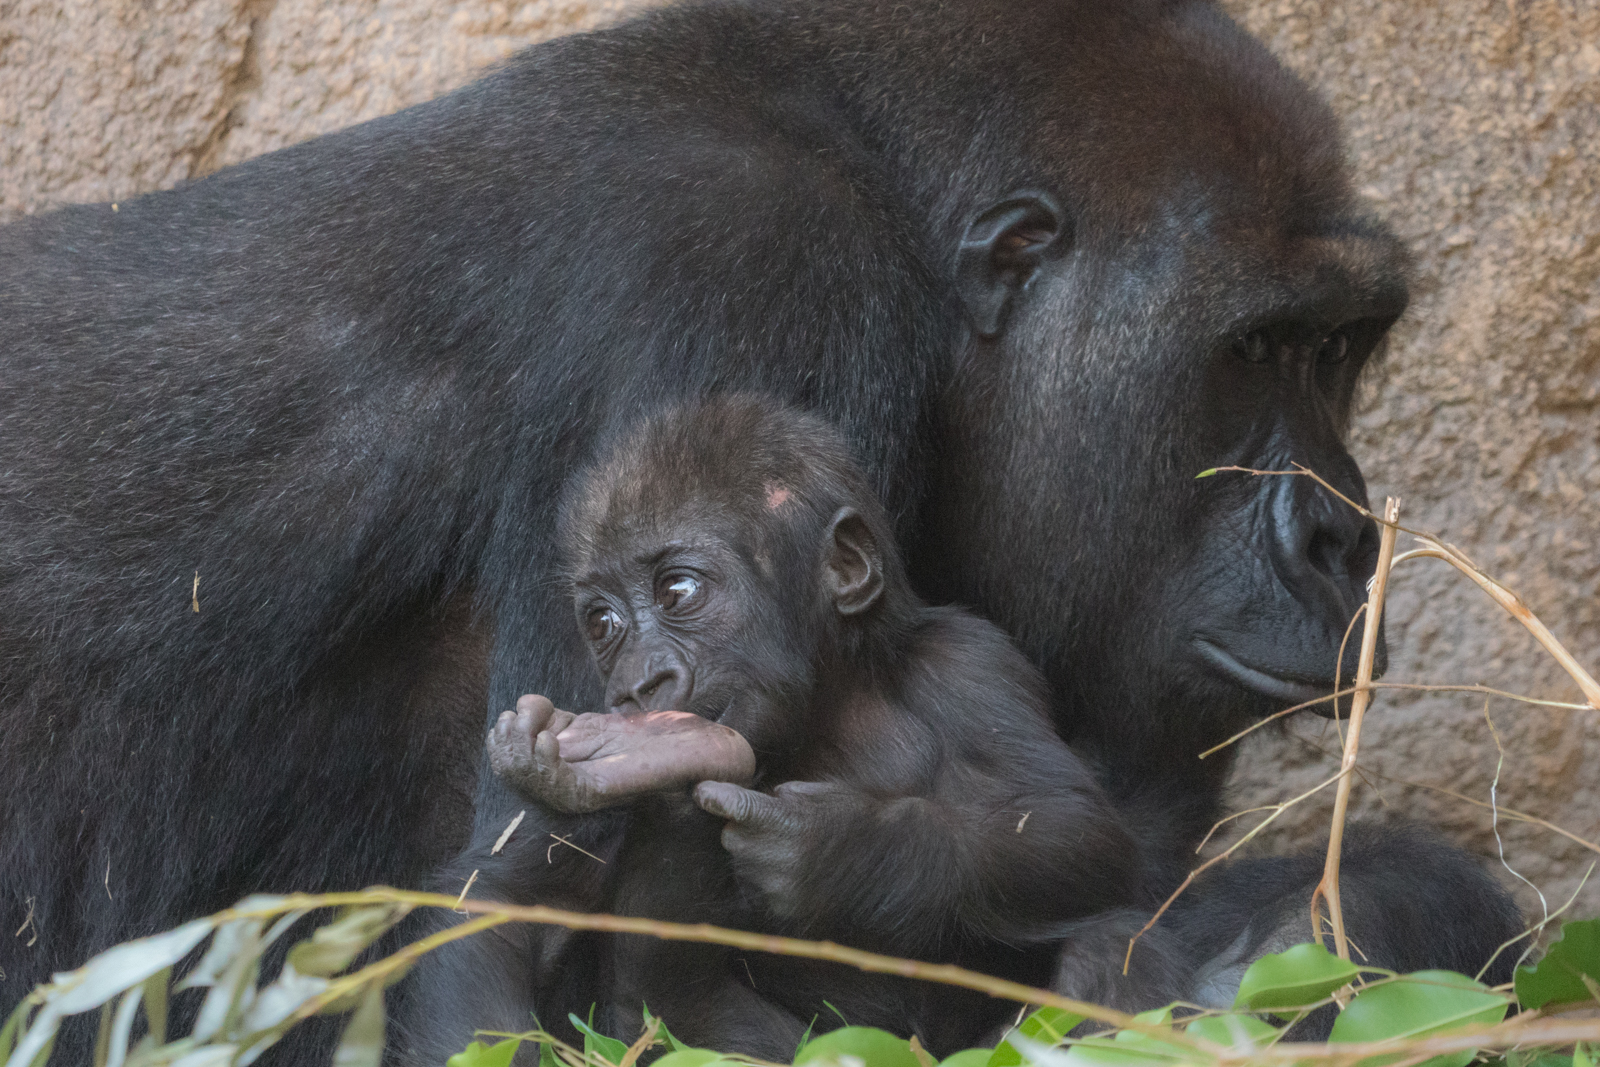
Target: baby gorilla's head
(723, 557)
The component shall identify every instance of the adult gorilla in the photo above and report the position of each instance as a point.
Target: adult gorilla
(1042, 261)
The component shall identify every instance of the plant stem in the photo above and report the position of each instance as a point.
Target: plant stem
(1328, 888)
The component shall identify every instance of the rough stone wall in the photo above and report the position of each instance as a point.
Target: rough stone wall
(101, 99)
(1475, 129)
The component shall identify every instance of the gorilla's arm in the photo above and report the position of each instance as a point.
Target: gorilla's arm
(962, 864)
(498, 979)
(1411, 901)
(948, 816)
(578, 787)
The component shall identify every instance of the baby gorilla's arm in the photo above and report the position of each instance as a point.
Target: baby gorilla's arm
(580, 763)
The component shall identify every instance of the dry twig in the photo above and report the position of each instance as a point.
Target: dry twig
(1328, 888)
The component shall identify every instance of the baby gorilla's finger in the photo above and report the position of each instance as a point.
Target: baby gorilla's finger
(749, 809)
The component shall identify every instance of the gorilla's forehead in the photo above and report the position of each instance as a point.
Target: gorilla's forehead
(1160, 110)
(630, 539)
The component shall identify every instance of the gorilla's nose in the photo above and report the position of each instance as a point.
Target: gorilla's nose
(1325, 554)
(1340, 545)
(661, 684)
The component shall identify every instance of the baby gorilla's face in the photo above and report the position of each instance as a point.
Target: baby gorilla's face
(685, 621)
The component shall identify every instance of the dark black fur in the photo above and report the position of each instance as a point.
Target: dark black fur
(1012, 249)
(941, 817)
(1392, 882)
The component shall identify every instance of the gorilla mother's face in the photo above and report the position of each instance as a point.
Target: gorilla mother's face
(1189, 286)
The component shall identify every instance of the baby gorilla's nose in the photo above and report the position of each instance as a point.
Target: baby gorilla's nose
(660, 683)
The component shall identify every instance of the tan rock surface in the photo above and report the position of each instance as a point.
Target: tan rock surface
(1475, 127)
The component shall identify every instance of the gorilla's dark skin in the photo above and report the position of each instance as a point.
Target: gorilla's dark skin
(1041, 261)
(911, 796)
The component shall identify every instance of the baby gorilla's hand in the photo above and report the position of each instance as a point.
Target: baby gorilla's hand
(580, 763)
(776, 840)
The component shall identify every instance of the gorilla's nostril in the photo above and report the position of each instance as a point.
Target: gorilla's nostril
(1327, 554)
(650, 686)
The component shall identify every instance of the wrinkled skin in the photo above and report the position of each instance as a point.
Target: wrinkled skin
(579, 763)
(1040, 261)
(729, 560)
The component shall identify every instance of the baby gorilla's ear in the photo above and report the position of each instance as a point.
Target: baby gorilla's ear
(852, 572)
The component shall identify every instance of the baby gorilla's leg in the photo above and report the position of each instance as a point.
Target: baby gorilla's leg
(589, 762)
(512, 752)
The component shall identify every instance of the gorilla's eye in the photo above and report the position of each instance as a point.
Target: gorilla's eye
(1253, 347)
(676, 591)
(604, 625)
(1334, 348)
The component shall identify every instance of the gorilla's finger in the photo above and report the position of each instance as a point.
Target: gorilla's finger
(751, 810)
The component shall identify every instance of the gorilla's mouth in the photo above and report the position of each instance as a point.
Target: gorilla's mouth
(1289, 690)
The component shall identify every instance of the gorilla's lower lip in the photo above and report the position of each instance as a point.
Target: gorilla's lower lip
(1259, 681)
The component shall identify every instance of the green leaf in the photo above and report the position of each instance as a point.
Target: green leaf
(1558, 977)
(691, 1057)
(968, 1057)
(1293, 978)
(478, 1054)
(121, 1035)
(229, 968)
(102, 1038)
(121, 968)
(1049, 1026)
(155, 1004)
(678, 1054)
(662, 1033)
(1543, 1058)
(547, 1055)
(361, 1044)
(208, 1056)
(805, 1037)
(1416, 1005)
(596, 1043)
(330, 948)
(1235, 1031)
(1581, 1056)
(1208, 472)
(14, 1025)
(874, 1047)
(112, 972)
(1130, 1048)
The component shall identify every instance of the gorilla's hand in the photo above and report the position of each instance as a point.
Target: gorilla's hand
(580, 763)
(773, 839)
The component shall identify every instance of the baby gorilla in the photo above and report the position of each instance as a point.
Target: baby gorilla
(731, 564)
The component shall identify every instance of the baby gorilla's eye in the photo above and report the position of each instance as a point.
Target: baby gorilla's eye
(677, 591)
(604, 624)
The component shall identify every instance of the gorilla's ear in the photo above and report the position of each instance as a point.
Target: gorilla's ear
(1001, 251)
(852, 570)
